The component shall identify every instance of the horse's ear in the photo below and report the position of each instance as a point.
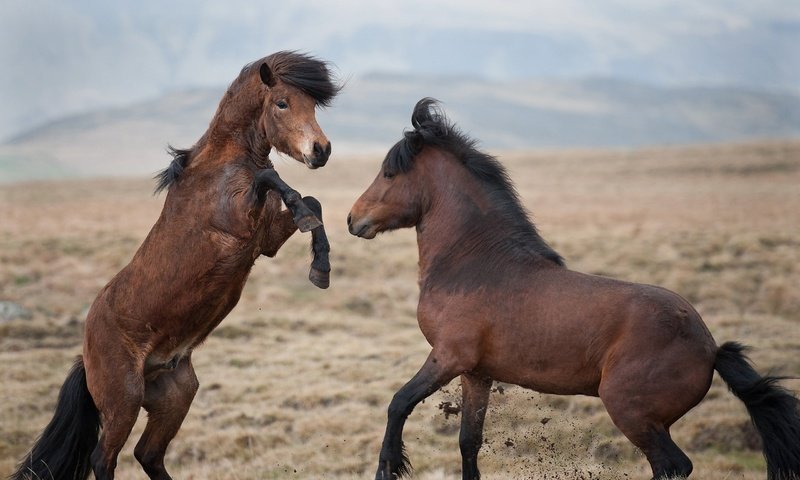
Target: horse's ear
(266, 75)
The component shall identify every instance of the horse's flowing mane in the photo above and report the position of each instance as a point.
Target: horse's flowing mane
(432, 128)
(308, 74)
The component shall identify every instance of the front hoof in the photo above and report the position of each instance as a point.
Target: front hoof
(319, 278)
(307, 223)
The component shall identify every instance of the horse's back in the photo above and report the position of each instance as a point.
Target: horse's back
(625, 315)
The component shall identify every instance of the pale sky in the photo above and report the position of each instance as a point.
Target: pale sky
(62, 57)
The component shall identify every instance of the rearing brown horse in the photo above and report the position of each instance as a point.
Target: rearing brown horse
(222, 211)
(497, 303)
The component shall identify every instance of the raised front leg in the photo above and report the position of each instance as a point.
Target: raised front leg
(268, 179)
(283, 227)
(320, 266)
(393, 462)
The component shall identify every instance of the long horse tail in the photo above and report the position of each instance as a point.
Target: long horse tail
(775, 412)
(63, 450)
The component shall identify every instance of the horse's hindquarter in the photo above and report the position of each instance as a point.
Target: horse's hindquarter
(559, 331)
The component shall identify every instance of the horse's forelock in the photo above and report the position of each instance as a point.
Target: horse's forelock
(309, 74)
(426, 112)
(429, 122)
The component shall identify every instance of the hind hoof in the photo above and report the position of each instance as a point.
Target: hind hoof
(308, 223)
(320, 279)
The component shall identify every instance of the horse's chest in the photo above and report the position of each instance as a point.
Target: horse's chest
(232, 251)
(441, 314)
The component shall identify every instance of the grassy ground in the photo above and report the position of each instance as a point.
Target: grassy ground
(296, 381)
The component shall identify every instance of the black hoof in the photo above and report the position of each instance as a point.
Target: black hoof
(320, 279)
(307, 223)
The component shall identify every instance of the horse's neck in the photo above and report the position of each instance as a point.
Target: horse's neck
(220, 146)
(460, 224)
(234, 131)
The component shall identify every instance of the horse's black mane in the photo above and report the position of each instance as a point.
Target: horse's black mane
(302, 71)
(170, 175)
(305, 72)
(433, 128)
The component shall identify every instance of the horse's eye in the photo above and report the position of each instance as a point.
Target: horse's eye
(282, 104)
(388, 174)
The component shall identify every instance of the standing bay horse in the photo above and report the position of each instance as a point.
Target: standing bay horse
(222, 211)
(497, 303)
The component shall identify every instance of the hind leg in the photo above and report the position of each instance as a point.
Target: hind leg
(475, 393)
(666, 460)
(118, 396)
(644, 411)
(167, 400)
(649, 382)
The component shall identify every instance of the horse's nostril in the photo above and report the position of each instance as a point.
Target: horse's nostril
(319, 155)
(349, 219)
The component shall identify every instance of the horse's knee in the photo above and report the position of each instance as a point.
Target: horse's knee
(314, 205)
(292, 198)
(400, 406)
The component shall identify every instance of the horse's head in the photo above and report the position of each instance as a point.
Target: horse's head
(394, 200)
(295, 85)
(397, 197)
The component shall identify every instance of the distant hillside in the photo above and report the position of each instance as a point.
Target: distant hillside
(373, 111)
(563, 113)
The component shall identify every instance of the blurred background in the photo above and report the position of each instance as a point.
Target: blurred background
(91, 87)
(655, 141)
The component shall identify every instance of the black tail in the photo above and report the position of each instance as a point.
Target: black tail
(63, 449)
(774, 410)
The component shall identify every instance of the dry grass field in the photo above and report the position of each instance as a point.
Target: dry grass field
(296, 381)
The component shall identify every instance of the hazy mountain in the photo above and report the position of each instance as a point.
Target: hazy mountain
(372, 112)
(72, 57)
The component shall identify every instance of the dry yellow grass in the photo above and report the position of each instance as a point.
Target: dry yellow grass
(296, 381)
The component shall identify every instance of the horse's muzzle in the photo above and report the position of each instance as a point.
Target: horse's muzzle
(319, 156)
(361, 228)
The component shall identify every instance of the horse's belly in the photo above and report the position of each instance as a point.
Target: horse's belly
(547, 377)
